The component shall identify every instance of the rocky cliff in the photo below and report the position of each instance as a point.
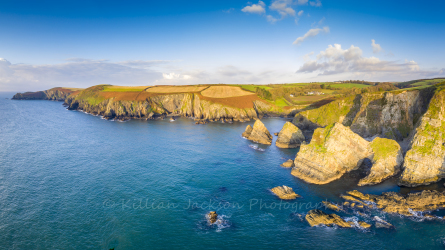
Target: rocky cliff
(290, 136)
(425, 160)
(103, 100)
(387, 114)
(333, 151)
(336, 150)
(55, 94)
(386, 160)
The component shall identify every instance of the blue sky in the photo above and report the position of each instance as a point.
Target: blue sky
(44, 44)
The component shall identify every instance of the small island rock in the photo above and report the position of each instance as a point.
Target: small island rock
(288, 164)
(212, 216)
(258, 133)
(290, 136)
(285, 192)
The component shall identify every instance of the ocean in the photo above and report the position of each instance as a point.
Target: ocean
(70, 180)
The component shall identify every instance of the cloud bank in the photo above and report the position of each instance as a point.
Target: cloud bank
(311, 33)
(335, 61)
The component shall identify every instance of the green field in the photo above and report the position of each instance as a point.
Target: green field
(423, 82)
(349, 85)
(281, 102)
(252, 87)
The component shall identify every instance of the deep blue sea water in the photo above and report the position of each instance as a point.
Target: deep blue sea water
(70, 180)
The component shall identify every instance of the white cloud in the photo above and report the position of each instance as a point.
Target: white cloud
(255, 8)
(176, 76)
(335, 60)
(271, 19)
(311, 33)
(76, 72)
(229, 10)
(300, 13)
(316, 3)
(283, 7)
(302, 2)
(375, 47)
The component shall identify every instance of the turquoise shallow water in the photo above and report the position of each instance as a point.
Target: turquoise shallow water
(70, 180)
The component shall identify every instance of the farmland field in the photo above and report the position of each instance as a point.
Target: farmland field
(175, 89)
(224, 91)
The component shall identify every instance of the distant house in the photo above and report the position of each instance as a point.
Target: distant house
(291, 95)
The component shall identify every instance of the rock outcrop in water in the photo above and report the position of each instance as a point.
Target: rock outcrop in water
(288, 164)
(391, 202)
(387, 114)
(259, 133)
(425, 160)
(290, 136)
(336, 150)
(380, 223)
(285, 192)
(387, 159)
(333, 151)
(331, 206)
(212, 216)
(317, 217)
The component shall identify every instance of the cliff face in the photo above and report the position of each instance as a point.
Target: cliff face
(425, 160)
(333, 151)
(391, 115)
(55, 94)
(336, 150)
(386, 160)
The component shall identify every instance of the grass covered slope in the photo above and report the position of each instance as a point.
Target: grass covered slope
(425, 161)
(390, 114)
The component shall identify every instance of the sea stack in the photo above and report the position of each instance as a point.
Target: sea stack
(258, 133)
(290, 136)
(333, 151)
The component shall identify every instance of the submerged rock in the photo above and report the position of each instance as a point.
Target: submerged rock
(391, 202)
(380, 223)
(290, 136)
(288, 164)
(317, 217)
(212, 216)
(333, 151)
(387, 160)
(331, 206)
(285, 192)
(425, 161)
(259, 133)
